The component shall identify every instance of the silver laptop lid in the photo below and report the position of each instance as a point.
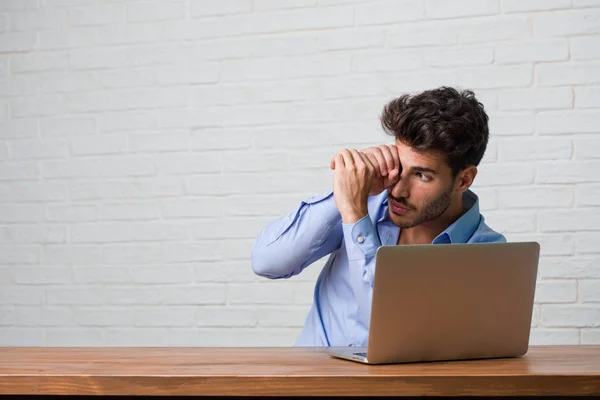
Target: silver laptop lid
(450, 302)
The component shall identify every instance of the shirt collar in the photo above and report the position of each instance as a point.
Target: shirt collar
(460, 230)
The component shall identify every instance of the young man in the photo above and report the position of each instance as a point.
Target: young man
(415, 191)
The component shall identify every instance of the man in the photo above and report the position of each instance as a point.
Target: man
(415, 191)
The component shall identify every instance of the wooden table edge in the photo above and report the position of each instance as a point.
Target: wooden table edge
(508, 385)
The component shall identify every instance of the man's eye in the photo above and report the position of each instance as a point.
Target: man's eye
(423, 177)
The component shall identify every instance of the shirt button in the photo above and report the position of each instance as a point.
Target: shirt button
(360, 239)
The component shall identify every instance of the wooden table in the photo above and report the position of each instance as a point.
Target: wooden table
(180, 371)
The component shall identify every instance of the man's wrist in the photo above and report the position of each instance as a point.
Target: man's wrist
(353, 216)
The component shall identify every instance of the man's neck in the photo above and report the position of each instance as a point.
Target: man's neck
(427, 231)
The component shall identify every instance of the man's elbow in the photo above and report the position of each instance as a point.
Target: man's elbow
(261, 267)
(262, 264)
(268, 265)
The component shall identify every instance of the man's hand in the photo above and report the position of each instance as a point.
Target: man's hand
(352, 181)
(386, 160)
(387, 165)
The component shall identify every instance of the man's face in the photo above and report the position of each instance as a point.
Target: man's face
(425, 188)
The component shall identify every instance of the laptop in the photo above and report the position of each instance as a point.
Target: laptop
(449, 302)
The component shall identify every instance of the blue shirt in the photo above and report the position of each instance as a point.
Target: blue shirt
(341, 309)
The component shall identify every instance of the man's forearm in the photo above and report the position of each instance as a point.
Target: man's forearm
(289, 244)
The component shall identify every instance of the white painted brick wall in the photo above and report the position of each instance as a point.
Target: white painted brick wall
(144, 144)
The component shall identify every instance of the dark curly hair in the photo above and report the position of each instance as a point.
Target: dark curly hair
(444, 119)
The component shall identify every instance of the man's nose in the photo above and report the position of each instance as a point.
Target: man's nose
(401, 189)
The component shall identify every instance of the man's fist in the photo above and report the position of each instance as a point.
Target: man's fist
(387, 163)
(387, 167)
(352, 180)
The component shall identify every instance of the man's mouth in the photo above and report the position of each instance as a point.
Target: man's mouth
(398, 208)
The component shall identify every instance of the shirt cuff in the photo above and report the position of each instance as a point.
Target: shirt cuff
(361, 239)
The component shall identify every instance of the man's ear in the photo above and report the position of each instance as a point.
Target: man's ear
(466, 177)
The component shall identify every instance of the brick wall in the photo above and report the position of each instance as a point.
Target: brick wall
(143, 145)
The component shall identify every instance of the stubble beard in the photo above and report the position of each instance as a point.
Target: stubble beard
(431, 210)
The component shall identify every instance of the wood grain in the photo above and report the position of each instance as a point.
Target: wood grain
(545, 370)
